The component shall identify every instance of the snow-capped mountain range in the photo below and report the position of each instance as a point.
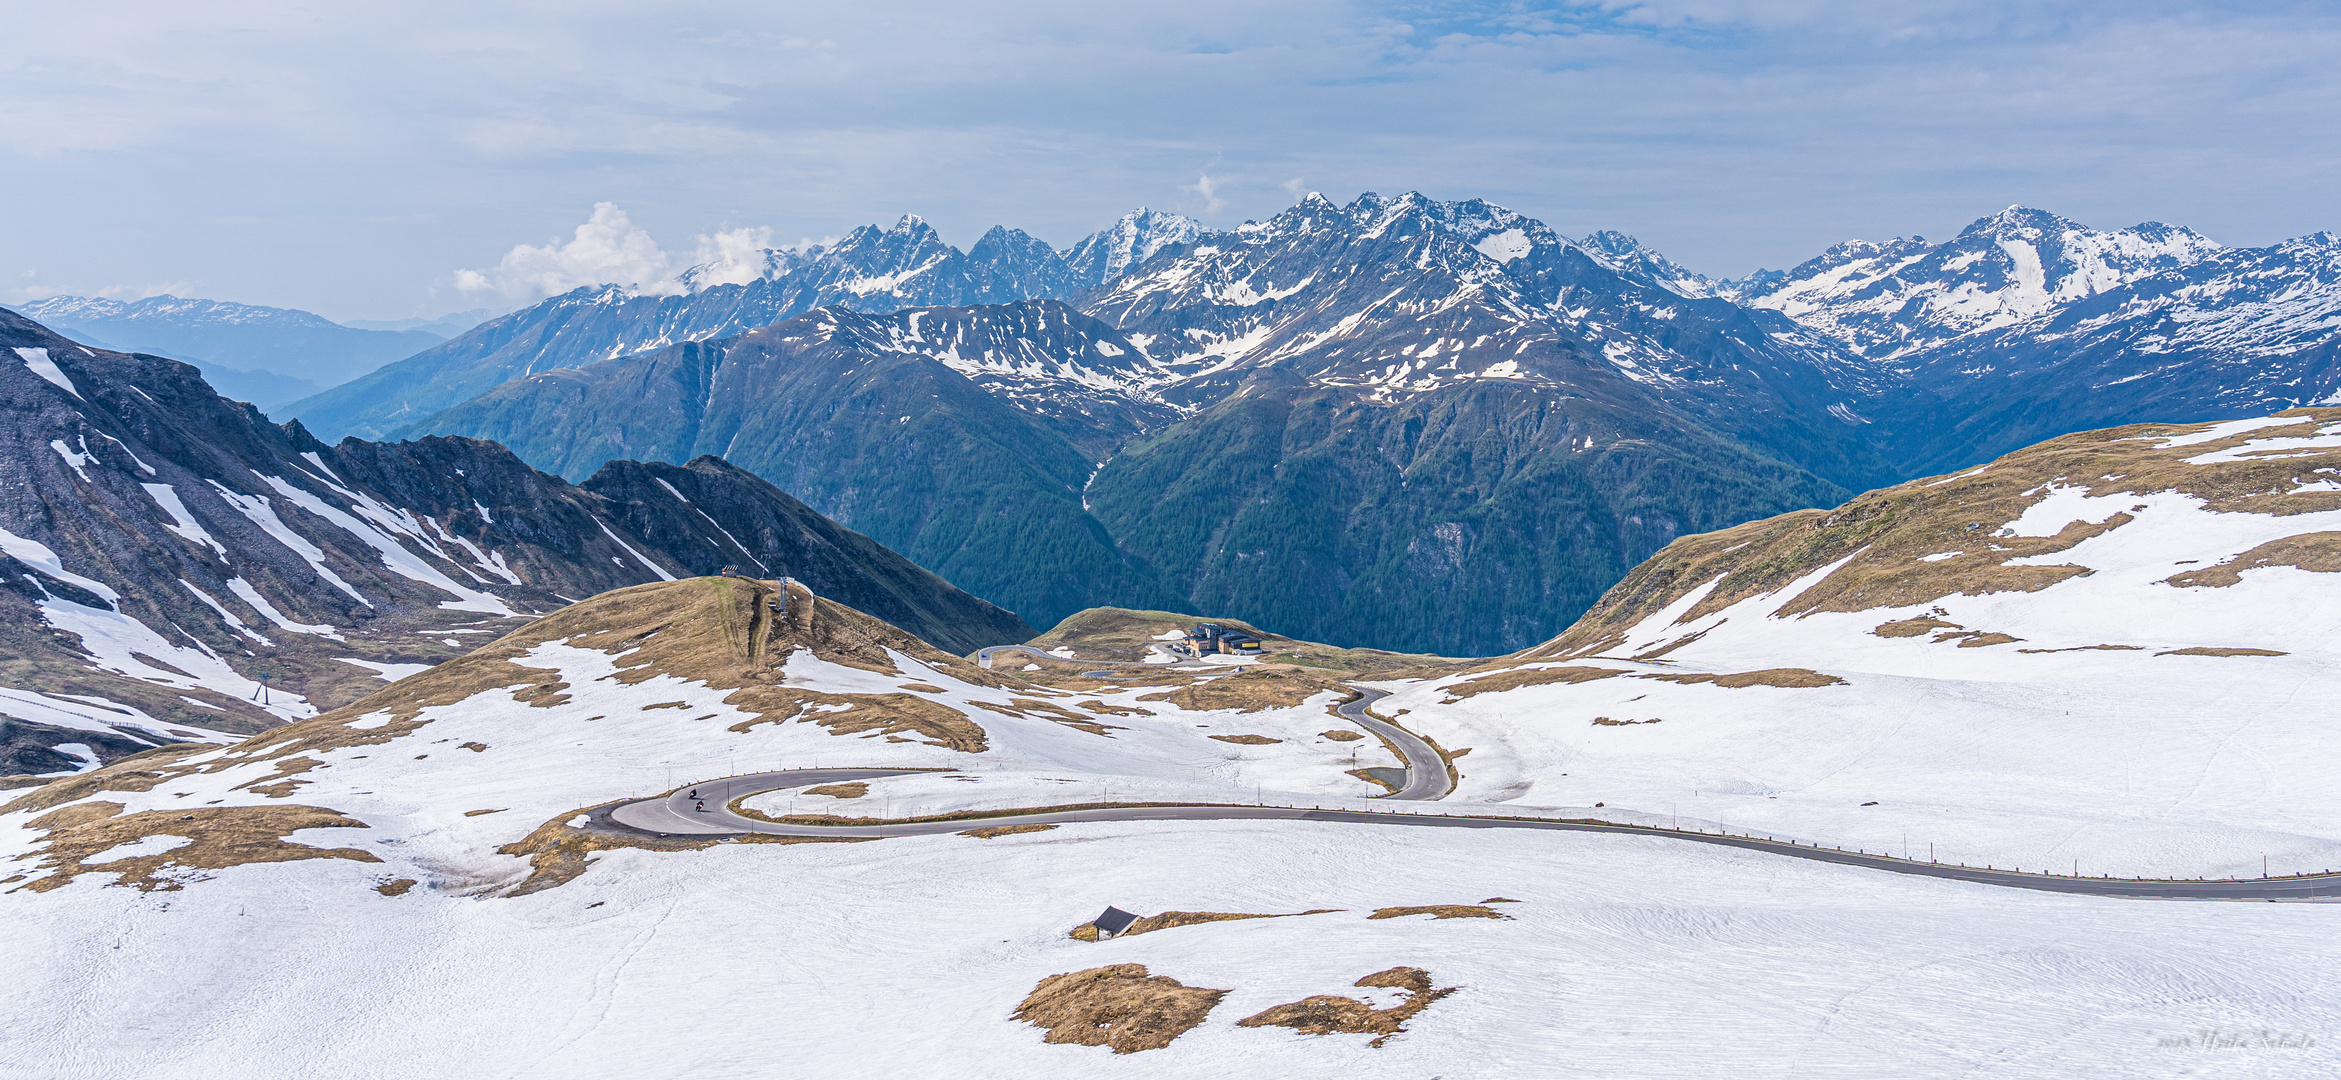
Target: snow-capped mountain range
(871, 270)
(1887, 301)
(1421, 330)
(1144, 434)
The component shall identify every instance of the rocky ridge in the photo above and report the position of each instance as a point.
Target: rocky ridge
(177, 567)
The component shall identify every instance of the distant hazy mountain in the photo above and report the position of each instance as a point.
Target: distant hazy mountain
(445, 326)
(165, 552)
(871, 270)
(265, 355)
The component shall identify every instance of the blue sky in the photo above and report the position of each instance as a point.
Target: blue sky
(354, 162)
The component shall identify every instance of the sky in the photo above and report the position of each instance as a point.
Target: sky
(390, 161)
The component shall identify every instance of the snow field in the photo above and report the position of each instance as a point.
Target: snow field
(611, 741)
(2132, 763)
(1626, 958)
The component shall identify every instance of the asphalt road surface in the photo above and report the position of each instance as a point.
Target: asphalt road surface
(1426, 770)
(710, 814)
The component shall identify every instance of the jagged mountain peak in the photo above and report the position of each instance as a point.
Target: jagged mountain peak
(1132, 239)
(1898, 298)
(1632, 256)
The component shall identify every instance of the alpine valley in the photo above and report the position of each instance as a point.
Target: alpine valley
(1401, 423)
(1835, 708)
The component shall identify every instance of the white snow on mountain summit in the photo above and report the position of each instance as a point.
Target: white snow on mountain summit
(1889, 300)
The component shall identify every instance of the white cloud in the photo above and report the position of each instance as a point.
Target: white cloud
(1209, 189)
(607, 250)
(373, 145)
(730, 257)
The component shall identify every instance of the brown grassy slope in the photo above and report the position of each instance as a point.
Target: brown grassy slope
(1119, 1006)
(715, 630)
(1885, 532)
(1326, 1014)
(1107, 633)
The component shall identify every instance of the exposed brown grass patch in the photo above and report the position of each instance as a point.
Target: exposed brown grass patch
(1518, 677)
(1787, 678)
(1443, 911)
(484, 813)
(138, 772)
(1004, 830)
(1026, 708)
(1977, 640)
(1095, 706)
(922, 688)
(1327, 1014)
(281, 783)
(1250, 691)
(395, 888)
(1603, 721)
(716, 631)
(2317, 552)
(1340, 735)
(218, 837)
(1247, 740)
(2202, 650)
(558, 854)
(1913, 627)
(854, 790)
(1883, 536)
(1370, 776)
(2089, 648)
(474, 747)
(1118, 1006)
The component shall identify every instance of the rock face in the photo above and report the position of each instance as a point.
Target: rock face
(1115, 249)
(174, 566)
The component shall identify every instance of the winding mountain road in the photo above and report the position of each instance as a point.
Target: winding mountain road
(711, 815)
(1427, 777)
(706, 810)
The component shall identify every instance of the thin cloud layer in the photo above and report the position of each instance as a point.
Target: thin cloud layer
(344, 158)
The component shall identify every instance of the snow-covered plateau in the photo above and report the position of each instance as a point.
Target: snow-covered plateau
(2103, 650)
